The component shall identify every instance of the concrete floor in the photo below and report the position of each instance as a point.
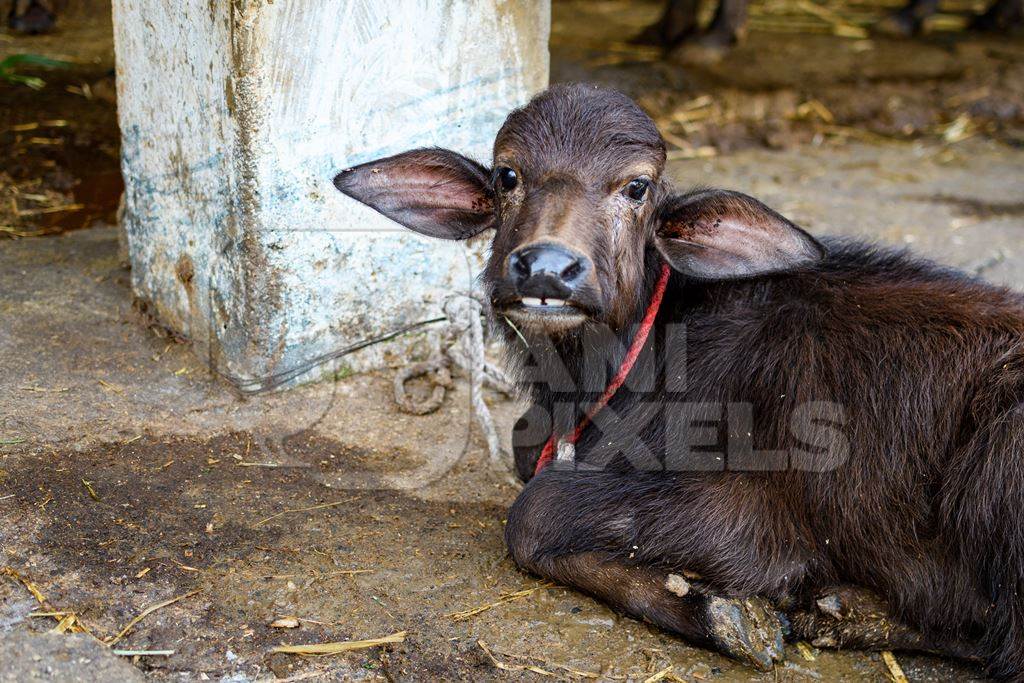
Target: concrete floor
(130, 476)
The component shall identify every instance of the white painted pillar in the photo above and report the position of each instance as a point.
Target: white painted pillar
(236, 116)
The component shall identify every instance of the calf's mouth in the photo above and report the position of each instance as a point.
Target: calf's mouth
(543, 314)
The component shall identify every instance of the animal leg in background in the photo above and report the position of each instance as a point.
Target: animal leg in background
(678, 25)
(32, 16)
(677, 22)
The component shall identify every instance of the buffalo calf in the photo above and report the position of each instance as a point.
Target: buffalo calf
(815, 431)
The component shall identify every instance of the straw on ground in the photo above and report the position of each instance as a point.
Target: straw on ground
(502, 600)
(149, 610)
(321, 649)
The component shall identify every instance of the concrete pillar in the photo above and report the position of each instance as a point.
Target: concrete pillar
(235, 117)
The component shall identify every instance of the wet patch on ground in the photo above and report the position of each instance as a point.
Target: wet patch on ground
(61, 148)
(114, 529)
(60, 143)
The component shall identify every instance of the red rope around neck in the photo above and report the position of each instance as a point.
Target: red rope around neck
(548, 454)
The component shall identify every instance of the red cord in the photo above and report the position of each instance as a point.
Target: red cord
(548, 454)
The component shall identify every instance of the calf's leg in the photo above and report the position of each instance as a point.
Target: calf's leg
(628, 539)
(577, 529)
(856, 618)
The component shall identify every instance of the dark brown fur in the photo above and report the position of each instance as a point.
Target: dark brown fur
(930, 367)
(923, 368)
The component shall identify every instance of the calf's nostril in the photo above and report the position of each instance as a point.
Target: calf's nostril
(572, 271)
(519, 264)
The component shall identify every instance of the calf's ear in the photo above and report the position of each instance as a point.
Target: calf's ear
(435, 192)
(719, 234)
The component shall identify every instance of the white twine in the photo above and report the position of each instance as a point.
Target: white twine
(463, 346)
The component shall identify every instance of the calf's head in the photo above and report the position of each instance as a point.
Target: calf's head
(577, 201)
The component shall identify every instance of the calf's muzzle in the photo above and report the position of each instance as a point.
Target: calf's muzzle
(549, 273)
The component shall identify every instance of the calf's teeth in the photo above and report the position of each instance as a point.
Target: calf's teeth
(546, 303)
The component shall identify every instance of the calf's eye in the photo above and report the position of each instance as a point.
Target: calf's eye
(507, 178)
(637, 189)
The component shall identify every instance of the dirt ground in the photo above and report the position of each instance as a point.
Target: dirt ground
(130, 477)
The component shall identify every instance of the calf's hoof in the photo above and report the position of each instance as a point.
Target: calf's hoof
(748, 630)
